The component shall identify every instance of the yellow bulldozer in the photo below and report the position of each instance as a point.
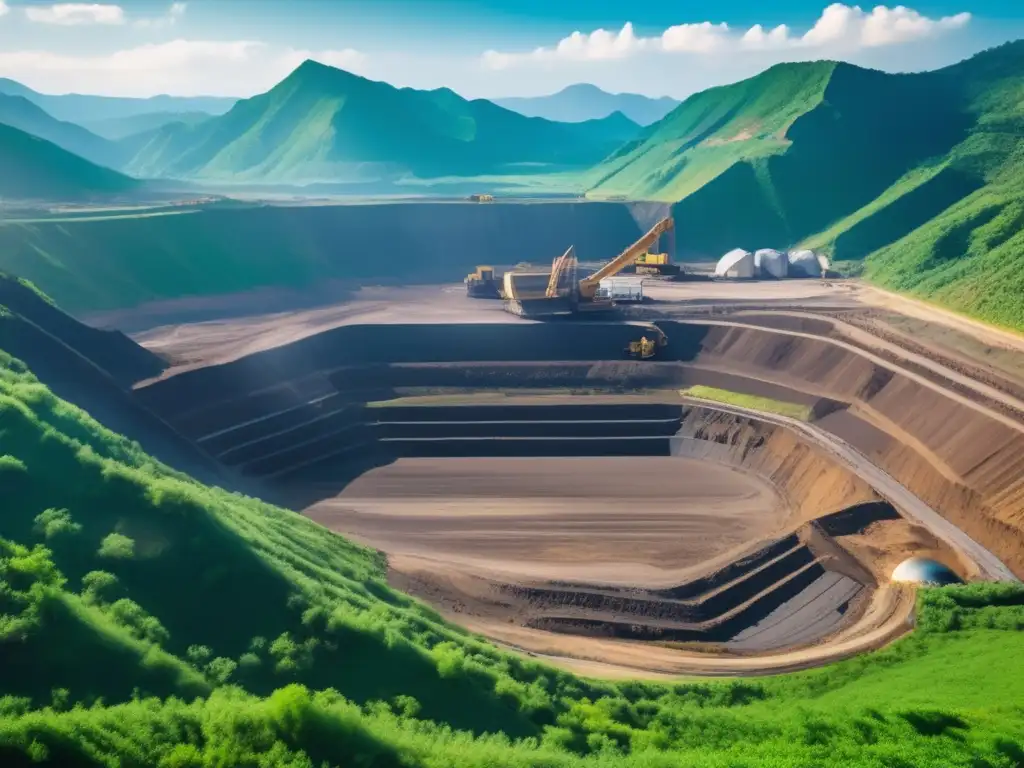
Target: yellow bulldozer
(481, 284)
(645, 348)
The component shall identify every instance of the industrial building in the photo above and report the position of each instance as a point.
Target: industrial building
(807, 264)
(770, 263)
(737, 263)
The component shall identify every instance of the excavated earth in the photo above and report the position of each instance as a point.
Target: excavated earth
(536, 487)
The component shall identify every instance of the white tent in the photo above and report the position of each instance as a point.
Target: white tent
(806, 264)
(770, 263)
(736, 263)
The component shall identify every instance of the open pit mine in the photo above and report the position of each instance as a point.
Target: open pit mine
(541, 485)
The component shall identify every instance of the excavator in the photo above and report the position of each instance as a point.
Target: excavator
(585, 295)
(534, 293)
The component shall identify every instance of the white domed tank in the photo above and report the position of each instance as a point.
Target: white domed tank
(921, 570)
(736, 263)
(770, 263)
(806, 264)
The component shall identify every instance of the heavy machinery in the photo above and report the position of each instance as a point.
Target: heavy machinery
(481, 284)
(659, 264)
(656, 264)
(645, 348)
(558, 292)
(586, 290)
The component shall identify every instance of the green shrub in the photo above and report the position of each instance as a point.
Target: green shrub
(116, 546)
(55, 522)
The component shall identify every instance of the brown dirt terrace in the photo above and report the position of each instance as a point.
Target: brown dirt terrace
(569, 503)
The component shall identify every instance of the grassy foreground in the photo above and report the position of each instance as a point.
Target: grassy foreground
(147, 620)
(740, 400)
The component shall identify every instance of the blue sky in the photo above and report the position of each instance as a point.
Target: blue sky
(480, 48)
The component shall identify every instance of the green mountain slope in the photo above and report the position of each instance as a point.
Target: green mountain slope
(324, 124)
(18, 112)
(34, 168)
(777, 158)
(148, 620)
(82, 108)
(583, 101)
(950, 231)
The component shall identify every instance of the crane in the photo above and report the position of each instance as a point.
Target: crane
(587, 287)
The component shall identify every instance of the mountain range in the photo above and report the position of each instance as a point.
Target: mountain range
(588, 102)
(86, 110)
(325, 124)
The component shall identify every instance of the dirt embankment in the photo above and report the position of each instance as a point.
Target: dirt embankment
(965, 461)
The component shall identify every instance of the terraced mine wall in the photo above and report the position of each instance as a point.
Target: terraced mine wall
(522, 430)
(812, 486)
(359, 346)
(108, 263)
(965, 463)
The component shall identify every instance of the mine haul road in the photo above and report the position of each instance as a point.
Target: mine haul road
(989, 566)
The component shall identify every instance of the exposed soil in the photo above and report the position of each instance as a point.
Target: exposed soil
(683, 526)
(640, 521)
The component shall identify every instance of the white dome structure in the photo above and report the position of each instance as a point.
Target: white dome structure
(921, 570)
(770, 263)
(806, 264)
(736, 263)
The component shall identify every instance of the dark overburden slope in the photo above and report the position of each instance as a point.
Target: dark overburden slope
(115, 262)
(113, 352)
(94, 370)
(324, 124)
(37, 169)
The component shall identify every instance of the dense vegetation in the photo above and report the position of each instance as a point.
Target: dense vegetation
(35, 168)
(148, 620)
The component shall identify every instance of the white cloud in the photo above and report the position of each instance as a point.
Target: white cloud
(695, 38)
(840, 28)
(71, 14)
(177, 67)
(4, 8)
(174, 12)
